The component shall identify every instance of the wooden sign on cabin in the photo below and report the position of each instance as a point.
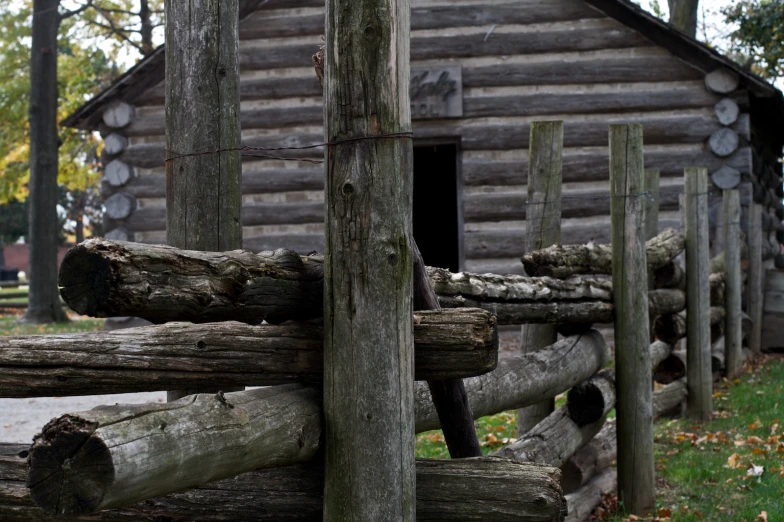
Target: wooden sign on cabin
(436, 92)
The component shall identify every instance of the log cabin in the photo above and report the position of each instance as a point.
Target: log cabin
(481, 72)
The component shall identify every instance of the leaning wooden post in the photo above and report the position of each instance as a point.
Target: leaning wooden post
(733, 355)
(698, 337)
(368, 345)
(755, 278)
(542, 229)
(636, 487)
(203, 192)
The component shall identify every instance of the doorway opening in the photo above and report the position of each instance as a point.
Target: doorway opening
(437, 223)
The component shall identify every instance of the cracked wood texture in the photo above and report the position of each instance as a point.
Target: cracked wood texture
(449, 344)
(368, 265)
(510, 492)
(568, 260)
(543, 229)
(523, 380)
(158, 283)
(698, 313)
(203, 191)
(114, 456)
(636, 485)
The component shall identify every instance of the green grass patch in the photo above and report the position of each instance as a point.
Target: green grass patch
(10, 327)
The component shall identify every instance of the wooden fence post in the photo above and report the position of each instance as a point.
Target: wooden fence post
(698, 339)
(368, 272)
(652, 179)
(755, 296)
(542, 229)
(733, 355)
(203, 193)
(636, 487)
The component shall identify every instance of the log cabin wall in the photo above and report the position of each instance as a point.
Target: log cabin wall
(521, 61)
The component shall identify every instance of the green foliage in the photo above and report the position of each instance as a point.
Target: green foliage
(13, 221)
(759, 37)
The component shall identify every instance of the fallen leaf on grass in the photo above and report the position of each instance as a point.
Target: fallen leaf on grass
(664, 512)
(733, 461)
(762, 517)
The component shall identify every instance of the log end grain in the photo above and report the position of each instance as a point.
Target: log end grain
(589, 401)
(86, 281)
(61, 481)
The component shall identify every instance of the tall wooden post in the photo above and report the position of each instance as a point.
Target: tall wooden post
(652, 182)
(733, 355)
(636, 487)
(368, 346)
(542, 229)
(755, 297)
(698, 343)
(203, 192)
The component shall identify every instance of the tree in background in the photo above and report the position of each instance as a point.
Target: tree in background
(683, 15)
(759, 37)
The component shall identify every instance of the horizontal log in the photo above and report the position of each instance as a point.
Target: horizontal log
(478, 43)
(553, 441)
(524, 380)
(566, 260)
(672, 328)
(109, 279)
(115, 456)
(449, 344)
(665, 301)
(669, 398)
(593, 458)
(295, 494)
(512, 206)
(590, 401)
(670, 275)
(303, 244)
(671, 369)
(583, 501)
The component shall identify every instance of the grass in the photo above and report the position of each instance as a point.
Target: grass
(702, 471)
(9, 325)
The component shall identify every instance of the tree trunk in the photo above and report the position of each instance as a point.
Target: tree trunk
(449, 396)
(203, 191)
(524, 380)
(568, 260)
(44, 301)
(683, 15)
(450, 344)
(147, 27)
(510, 492)
(368, 274)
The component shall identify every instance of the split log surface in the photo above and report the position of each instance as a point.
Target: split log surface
(510, 492)
(159, 283)
(114, 456)
(448, 344)
(568, 260)
(524, 380)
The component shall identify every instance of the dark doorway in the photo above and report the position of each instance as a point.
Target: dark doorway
(436, 205)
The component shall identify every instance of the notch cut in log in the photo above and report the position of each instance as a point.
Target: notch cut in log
(511, 492)
(568, 260)
(449, 344)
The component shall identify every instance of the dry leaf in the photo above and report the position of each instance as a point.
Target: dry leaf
(733, 461)
(762, 517)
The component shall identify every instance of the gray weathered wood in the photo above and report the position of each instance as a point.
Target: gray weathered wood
(543, 229)
(755, 273)
(117, 173)
(203, 192)
(596, 456)
(551, 441)
(670, 398)
(114, 456)
(733, 285)
(670, 275)
(119, 206)
(727, 111)
(523, 380)
(118, 234)
(119, 115)
(368, 345)
(724, 142)
(582, 502)
(700, 382)
(722, 81)
(726, 178)
(104, 279)
(202, 107)
(636, 486)
(567, 260)
(652, 203)
(450, 344)
(511, 492)
(590, 401)
(114, 144)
